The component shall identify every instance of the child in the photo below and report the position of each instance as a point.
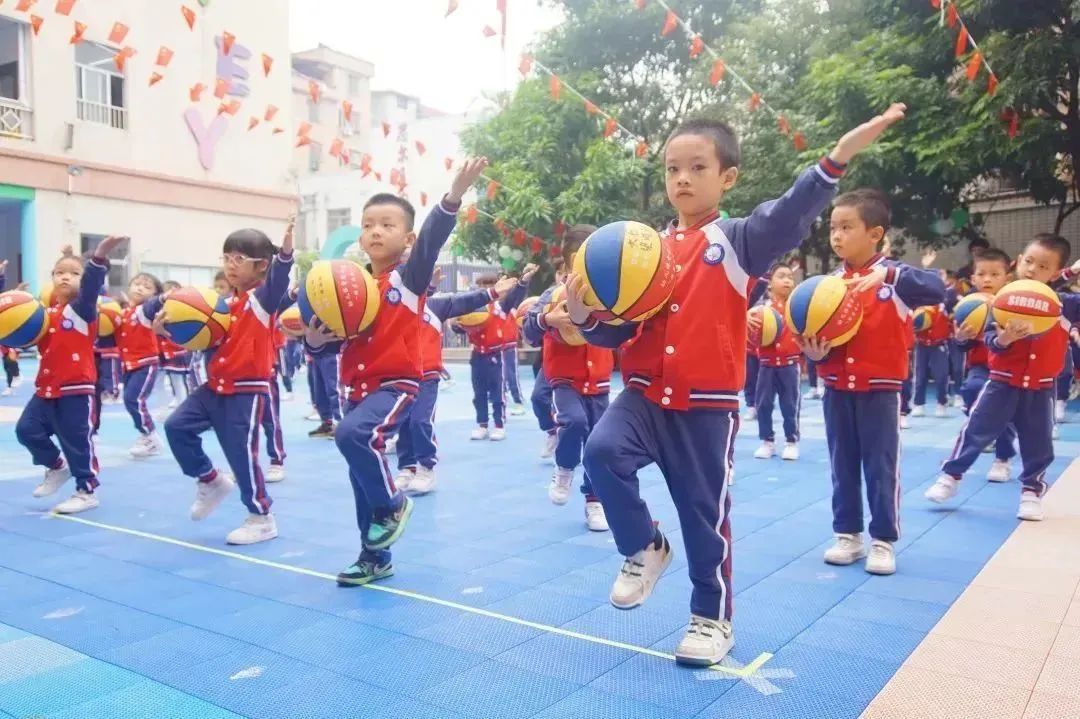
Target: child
(864, 378)
(486, 362)
(580, 378)
(139, 359)
(176, 361)
(753, 362)
(271, 421)
(11, 369)
(63, 403)
(383, 369)
(684, 369)
(990, 273)
(324, 375)
(541, 394)
(778, 375)
(956, 355)
(416, 445)
(237, 388)
(510, 359)
(1023, 368)
(932, 360)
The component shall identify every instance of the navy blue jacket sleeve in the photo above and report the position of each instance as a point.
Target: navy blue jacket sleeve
(533, 328)
(417, 271)
(609, 336)
(513, 298)
(151, 307)
(445, 306)
(3, 281)
(93, 279)
(951, 298)
(287, 301)
(757, 292)
(269, 293)
(915, 287)
(1070, 306)
(330, 348)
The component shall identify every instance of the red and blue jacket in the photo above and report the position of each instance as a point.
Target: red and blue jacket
(68, 366)
(1034, 362)
(785, 351)
(587, 368)
(136, 339)
(495, 335)
(438, 310)
(940, 329)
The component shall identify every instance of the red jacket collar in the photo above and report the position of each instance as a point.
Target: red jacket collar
(673, 227)
(869, 263)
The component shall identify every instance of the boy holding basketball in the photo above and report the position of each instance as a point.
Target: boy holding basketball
(685, 367)
(1023, 369)
(779, 375)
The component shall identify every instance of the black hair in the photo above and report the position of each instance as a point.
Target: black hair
(978, 242)
(220, 276)
(486, 279)
(158, 289)
(170, 285)
(385, 198)
(557, 263)
(252, 243)
(776, 266)
(1054, 243)
(872, 206)
(573, 240)
(722, 135)
(993, 254)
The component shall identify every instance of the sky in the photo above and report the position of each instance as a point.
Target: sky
(445, 61)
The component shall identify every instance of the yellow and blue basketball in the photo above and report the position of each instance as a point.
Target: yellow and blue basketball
(922, 318)
(570, 335)
(109, 312)
(473, 319)
(628, 270)
(821, 307)
(972, 312)
(196, 318)
(23, 319)
(342, 295)
(46, 295)
(772, 326)
(1029, 301)
(291, 322)
(522, 310)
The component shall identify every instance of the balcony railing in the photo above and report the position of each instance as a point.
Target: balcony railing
(16, 119)
(102, 114)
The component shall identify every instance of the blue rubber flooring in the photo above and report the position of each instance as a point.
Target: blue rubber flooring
(99, 623)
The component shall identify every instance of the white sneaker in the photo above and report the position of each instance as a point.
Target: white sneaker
(561, 482)
(791, 452)
(551, 441)
(404, 479)
(751, 414)
(147, 445)
(847, 550)
(391, 445)
(766, 451)
(639, 574)
(820, 392)
(918, 411)
(595, 518)
(173, 403)
(313, 417)
(479, 433)
(811, 394)
(17, 382)
(79, 502)
(1055, 433)
(1059, 410)
(1030, 507)
(208, 495)
(1000, 471)
(905, 423)
(943, 489)
(6, 392)
(275, 473)
(286, 396)
(498, 434)
(256, 528)
(882, 558)
(939, 411)
(423, 481)
(958, 402)
(705, 643)
(54, 480)
(517, 410)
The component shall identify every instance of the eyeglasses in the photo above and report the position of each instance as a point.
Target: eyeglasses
(235, 259)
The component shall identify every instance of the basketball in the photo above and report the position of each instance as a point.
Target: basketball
(822, 307)
(196, 318)
(1029, 301)
(523, 309)
(571, 335)
(23, 319)
(291, 322)
(109, 312)
(772, 325)
(972, 311)
(922, 318)
(473, 319)
(628, 270)
(46, 295)
(342, 295)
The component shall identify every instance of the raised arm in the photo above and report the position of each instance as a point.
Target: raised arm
(446, 306)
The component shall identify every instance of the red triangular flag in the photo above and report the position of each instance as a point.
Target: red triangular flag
(227, 41)
(189, 16)
(155, 78)
(451, 7)
(423, 199)
(231, 108)
(536, 246)
(973, 66)
(221, 88)
(671, 21)
(555, 251)
(365, 164)
(63, 7)
(346, 109)
(164, 56)
(448, 163)
(471, 214)
(782, 124)
(336, 147)
(717, 74)
(799, 140)
(121, 57)
(80, 30)
(196, 91)
(519, 237)
(253, 123)
(489, 31)
(420, 148)
(118, 33)
(640, 4)
(501, 226)
(303, 140)
(590, 108)
(313, 91)
(610, 127)
(268, 62)
(992, 85)
(386, 129)
(304, 129)
(936, 4)
(35, 23)
(525, 66)
(555, 87)
(378, 177)
(1010, 116)
(952, 16)
(278, 131)
(962, 41)
(25, 5)
(559, 229)
(755, 101)
(696, 47)
(642, 149)
(492, 190)
(271, 110)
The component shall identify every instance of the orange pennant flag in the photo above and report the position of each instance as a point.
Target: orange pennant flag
(799, 141)
(25, 5)
(253, 123)
(671, 21)
(423, 199)
(277, 131)
(936, 4)
(755, 101)
(610, 127)
(420, 148)
(952, 16)
(555, 87)
(992, 85)
(782, 124)
(64, 7)
(221, 88)
(337, 147)
(304, 129)
(122, 57)
(962, 41)
(118, 33)
(80, 30)
(378, 176)
(451, 7)
(642, 149)
(155, 78)
(471, 215)
(35, 23)
(232, 107)
(717, 74)
(696, 47)
(271, 110)
(189, 16)
(448, 163)
(492, 190)
(590, 108)
(973, 66)
(365, 164)
(268, 62)
(196, 91)
(525, 66)
(164, 56)
(303, 140)
(227, 41)
(346, 109)
(385, 129)
(640, 4)
(489, 31)
(313, 90)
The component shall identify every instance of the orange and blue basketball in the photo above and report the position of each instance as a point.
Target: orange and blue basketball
(196, 318)
(342, 295)
(628, 270)
(109, 312)
(1028, 301)
(291, 322)
(772, 326)
(23, 319)
(570, 335)
(823, 308)
(972, 312)
(522, 310)
(473, 319)
(922, 318)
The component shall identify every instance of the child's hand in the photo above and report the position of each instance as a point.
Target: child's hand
(753, 322)
(104, 247)
(927, 259)
(814, 348)
(67, 251)
(863, 136)
(23, 287)
(965, 334)
(467, 176)
(436, 277)
(1075, 269)
(575, 300)
(319, 335)
(504, 286)
(527, 273)
(872, 281)
(559, 318)
(1074, 333)
(158, 325)
(1014, 330)
(287, 241)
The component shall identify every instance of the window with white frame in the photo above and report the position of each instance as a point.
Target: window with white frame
(15, 111)
(99, 86)
(337, 218)
(186, 275)
(119, 262)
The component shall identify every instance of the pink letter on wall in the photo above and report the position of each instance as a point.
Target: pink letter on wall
(229, 67)
(206, 137)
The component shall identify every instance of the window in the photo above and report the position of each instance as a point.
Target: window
(118, 278)
(99, 86)
(337, 218)
(355, 85)
(344, 126)
(315, 158)
(186, 275)
(403, 102)
(15, 112)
